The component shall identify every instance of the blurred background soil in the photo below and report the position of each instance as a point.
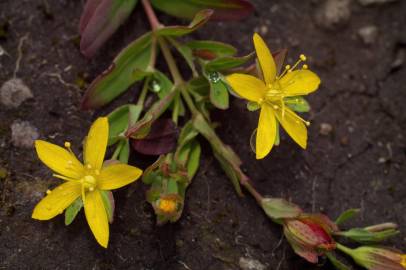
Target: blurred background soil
(355, 158)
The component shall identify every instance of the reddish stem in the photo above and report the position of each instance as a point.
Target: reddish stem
(153, 20)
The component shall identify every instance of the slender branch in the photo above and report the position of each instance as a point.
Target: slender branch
(153, 20)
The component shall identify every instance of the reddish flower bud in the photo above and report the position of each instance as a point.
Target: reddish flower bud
(310, 235)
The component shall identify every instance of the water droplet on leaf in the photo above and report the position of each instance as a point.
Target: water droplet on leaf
(155, 86)
(214, 77)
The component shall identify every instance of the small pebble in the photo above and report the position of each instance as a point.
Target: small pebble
(325, 129)
(333, 14)
(250, 264)
(14, 92)
(368, 34)
(23, 134)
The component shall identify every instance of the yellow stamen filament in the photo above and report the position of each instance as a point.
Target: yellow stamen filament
(64, 178)
(305, 66)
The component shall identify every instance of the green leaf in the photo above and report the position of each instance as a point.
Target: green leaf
(227, 62)
(119, 120)
(186, 53)
(199, 20)
(336, 263)
(224, 9)
(277, 208)
(199, 88)
(364, 236)
(208, 49)
(194, 159)
(128, 67)
(253, 106)
(125, 152)
(72, 211)
(298, 104)
(219, 96)
(108, 201)
(346, 215)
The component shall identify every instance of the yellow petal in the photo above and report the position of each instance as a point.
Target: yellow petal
(96, 143)
(57, 201)
(96, 217)
(299, 82)
(59, 159)
(293, 126)
(247, 86)
(116, 176)
(265, 58)
(266, 132)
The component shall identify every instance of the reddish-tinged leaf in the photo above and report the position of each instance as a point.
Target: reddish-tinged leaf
(199, 20)
(224, 9)
(100, 20)
(88, 11)
(161, 138)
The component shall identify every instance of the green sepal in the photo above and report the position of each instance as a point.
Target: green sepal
(109, 205)
(72, 211)
(277, 208)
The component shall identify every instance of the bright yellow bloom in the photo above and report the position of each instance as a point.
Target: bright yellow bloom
(86, 180)
(403, 262)
(270, 94)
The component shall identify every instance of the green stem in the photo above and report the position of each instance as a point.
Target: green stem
(144, 92)
(118, 149)
(345, 249)
(153, 20)
(176, 107)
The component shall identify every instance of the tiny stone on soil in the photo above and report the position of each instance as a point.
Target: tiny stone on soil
(14, 92)
(23, 134)
(325, 129)
(375, 2)
(368, 34)
(333, 14)
(250, 264)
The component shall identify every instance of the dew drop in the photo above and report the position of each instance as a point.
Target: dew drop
(155, 86)
(214, 77)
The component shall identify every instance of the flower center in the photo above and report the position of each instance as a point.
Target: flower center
(167, 205)
(88, 182)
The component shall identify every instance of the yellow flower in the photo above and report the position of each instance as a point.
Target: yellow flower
(86, 180)
(270, 94)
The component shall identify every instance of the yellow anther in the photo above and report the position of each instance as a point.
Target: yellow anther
(307, 123)
(275, 107)
(67, 144)
(287, 67)
(305, 66)
(303, 57)
(48, 191)
(91, 188)
(89, 166)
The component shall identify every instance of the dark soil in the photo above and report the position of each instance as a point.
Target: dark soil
(361, 96)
